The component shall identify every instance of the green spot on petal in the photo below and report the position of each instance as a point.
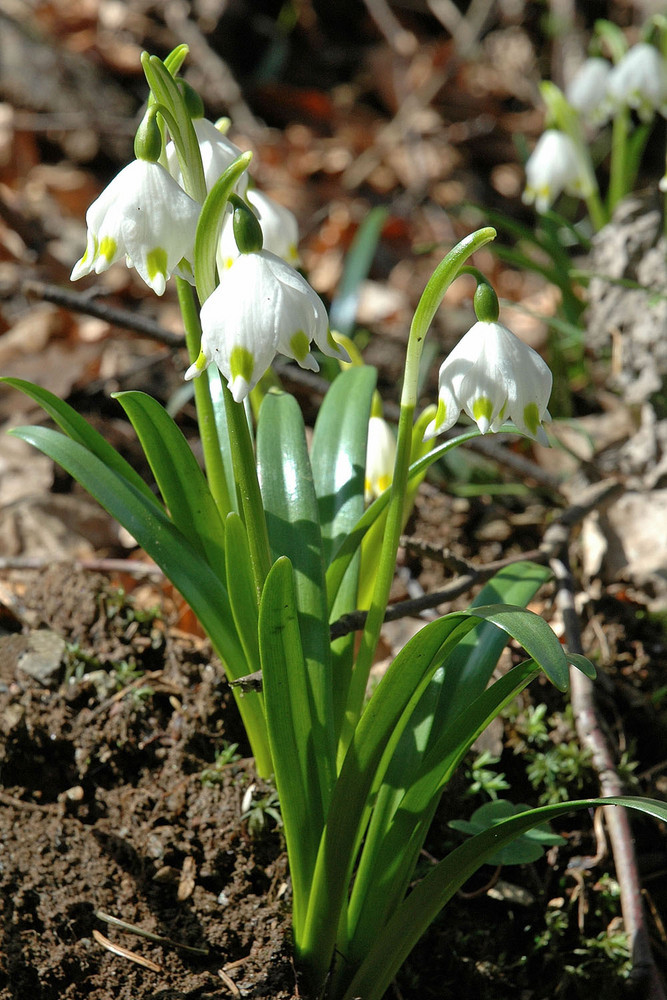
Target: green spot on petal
(482, 409)
(531, 417)
(300, 345)
(440, 414)
(107, 247)
(241, 363)
(156, 263)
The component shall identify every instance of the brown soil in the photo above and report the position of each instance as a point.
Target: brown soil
(106, 806)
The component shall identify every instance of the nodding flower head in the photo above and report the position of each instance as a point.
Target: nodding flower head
(493, 376)
(639, 81)
(587, 91)
(261, 307)
(144, 216)
(555, 165)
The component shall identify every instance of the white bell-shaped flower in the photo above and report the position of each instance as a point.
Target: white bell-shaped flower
(587, 91)
(261, 307)
(380, 456)
(555, 165)
(639, 81)
(217, 153)
(280, 231)
(493, 376)
(144, 215)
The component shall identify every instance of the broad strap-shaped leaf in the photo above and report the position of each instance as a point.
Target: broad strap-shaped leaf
(153, 530)
(241, 588)
(338, 454)
(291, 734)
(397, 938)
(390, 851)
(374, 740)
(78, 429)
(180, 480)
(338, 460)
(292, 520)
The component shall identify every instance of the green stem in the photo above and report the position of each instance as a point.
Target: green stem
(441, 279)
(617, 165)
(208, 432)
(245, 473)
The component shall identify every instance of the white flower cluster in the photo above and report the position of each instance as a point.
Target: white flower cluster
(261, 305)
(597, 91)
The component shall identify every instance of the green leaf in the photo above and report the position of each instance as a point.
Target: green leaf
(472, 663)
(338, 459)
(78, 429)
(410, 920)
(338, 454)
(180, 480)
(288, 713)
(292, 520)
(528, 847)
(373, 743)
(403, 812)
(358, 261)
(153, 530)
(241, 588)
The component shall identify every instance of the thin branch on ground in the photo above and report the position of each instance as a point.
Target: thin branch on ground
(84, 302)
(644, 975)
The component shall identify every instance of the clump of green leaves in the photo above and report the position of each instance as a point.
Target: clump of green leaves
(227, 755)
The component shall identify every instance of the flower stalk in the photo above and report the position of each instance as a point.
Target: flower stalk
(443, 276)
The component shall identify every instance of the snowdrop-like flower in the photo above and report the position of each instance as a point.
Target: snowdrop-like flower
(587, 91)
(280, 231)
(261, 307)
(380, 455)
(639, 81)
(493, 376)
(144, 215)
(217, 153)
(555, 165)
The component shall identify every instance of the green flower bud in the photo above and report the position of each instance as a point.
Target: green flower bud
(485, 302)
(148, 140)
(247, 230)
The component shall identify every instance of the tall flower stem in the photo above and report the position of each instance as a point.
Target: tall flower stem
(245, 474)
(440, 281)
(208, 432)
(618, 164)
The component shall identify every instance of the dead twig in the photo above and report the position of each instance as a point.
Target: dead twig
(108, 918)
(117, 949)
(644, 974)
(83, 302)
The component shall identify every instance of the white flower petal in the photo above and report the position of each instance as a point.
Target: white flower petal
(555, 165)
(639, 80)
(261, 307)
(493, 376)
(587, 91)
(380, 456)
(217, 153)
(146, 217)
